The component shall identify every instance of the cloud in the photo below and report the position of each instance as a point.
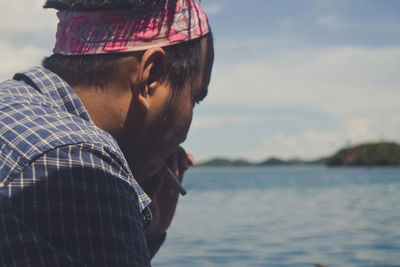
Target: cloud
(358, 129)
(339, 80)
(286, 22)
(27, 31)
(313, 143)
(309, 144)
(317, 55)
(336, 23)
(26, 15)
(356, 87)
(213, 8)
(15, 59)
(331, 22)
(214, 121)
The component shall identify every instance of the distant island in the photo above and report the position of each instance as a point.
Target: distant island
(368, 154)
(372, 154)
(224, 162)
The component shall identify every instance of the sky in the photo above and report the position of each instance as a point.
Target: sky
(291, 78)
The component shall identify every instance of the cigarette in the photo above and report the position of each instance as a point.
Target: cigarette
(175, 182)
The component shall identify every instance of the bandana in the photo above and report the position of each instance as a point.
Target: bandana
(112, 31)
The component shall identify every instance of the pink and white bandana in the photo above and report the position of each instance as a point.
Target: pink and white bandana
(100, 32)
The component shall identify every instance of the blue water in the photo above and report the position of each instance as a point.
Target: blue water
(286, 216)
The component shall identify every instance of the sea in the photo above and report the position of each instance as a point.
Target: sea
(286, 216)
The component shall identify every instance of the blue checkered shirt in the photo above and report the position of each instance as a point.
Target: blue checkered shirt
(67, 195)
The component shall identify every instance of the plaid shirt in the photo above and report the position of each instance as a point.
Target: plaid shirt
(67, 195)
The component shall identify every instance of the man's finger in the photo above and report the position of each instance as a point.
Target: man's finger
(190, 159)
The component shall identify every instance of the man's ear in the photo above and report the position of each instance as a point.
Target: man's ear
(148, 76)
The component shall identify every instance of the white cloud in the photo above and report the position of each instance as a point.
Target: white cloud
(357, 86)
(358, 129)
(213, 7)
(313, 143)
(26, 15)
(340, 80)
(331, 22)
(286, 22)
(24, 18)
(18, 59)
(309, 144)
(202, 121)
(20, 21)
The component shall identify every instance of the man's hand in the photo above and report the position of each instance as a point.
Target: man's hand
(163, 194)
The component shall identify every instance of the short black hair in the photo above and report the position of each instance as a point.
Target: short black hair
(182, 60)
(98, 4)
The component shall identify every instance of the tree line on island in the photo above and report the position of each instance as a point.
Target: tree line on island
(368, 154)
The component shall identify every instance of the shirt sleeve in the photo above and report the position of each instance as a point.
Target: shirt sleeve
(72, 208)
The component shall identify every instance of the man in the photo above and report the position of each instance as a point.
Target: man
(106, 111)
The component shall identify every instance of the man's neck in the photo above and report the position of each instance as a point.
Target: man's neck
(106, 107)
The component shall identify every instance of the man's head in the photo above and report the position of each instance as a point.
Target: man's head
(144, 98)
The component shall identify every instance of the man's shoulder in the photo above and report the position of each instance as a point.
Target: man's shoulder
(16, 91)
(31, 124)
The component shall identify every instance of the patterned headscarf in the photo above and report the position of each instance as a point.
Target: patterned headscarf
(112, 31)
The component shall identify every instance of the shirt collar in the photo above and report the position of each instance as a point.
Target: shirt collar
(50, 84)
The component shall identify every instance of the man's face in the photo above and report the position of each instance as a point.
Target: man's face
(169, 118)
